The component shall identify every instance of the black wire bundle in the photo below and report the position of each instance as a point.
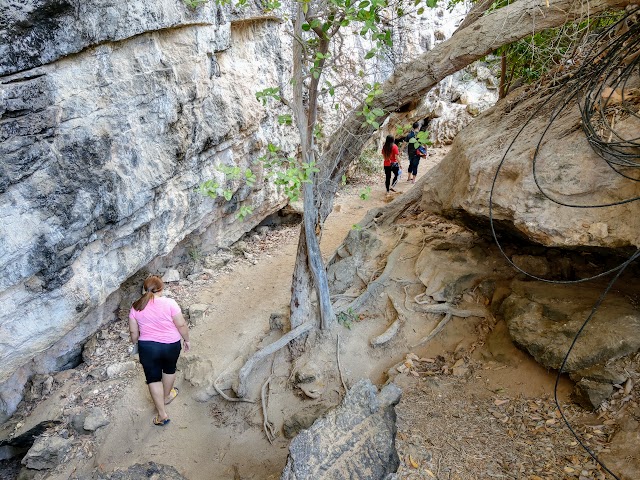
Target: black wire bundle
(608, 88)
(600, 85)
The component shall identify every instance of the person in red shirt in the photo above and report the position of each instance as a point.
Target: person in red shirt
(391, 156)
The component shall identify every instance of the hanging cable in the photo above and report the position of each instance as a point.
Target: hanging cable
(600, 87)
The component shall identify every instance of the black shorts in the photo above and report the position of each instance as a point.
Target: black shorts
(158, 358)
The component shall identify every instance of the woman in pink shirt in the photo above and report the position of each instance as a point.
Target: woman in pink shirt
(157, 324)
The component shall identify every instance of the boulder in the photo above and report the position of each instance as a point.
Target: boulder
(590, 394)
(171, 275)
(149, 470)
(46, 452)
(355, 440)
(118, 369)
(543, 319)
(197, 313)
(567, 167)
(95, 419)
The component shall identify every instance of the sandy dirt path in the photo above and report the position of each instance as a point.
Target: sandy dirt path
(217, 439)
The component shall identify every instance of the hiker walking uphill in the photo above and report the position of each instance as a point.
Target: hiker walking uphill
(157, 325)
(414, 153)
(391, 156)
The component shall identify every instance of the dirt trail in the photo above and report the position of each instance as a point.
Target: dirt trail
(444, 419)
(217, 439)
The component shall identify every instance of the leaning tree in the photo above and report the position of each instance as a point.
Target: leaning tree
(317, 25)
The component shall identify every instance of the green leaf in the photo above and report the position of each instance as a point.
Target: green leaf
(378, 112)
(306, 27)
(285, 119)
(370, 54)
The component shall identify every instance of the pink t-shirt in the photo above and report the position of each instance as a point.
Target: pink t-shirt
(155, 321)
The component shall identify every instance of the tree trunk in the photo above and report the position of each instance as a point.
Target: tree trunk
(309, 264)
(503, 74)
(477, 11)
(414, 80)
(301, 287)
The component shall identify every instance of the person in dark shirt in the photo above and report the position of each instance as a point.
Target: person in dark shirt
(414, 158)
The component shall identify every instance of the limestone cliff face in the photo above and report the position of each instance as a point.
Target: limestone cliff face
(110, 115)
(568, 170)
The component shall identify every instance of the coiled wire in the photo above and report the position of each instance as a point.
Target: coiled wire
(602, 86)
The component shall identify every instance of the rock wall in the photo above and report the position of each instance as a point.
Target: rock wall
(110, 116)
(567, 167)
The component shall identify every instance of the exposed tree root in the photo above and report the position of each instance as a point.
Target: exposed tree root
(449, 312)
(225, 396)
(421, 302)
(344, 385)
(245, 371)
(435, 331)
(425, 239)
(390, 212)
(406, 297)
(388, 334)
(267, 426)
(393, 329)
(361, 277)
(375, 287)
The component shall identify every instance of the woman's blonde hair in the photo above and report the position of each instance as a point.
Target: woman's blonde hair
(152, 284)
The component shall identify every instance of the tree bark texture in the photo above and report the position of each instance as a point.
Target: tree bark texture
(301, 286)
(309, 264)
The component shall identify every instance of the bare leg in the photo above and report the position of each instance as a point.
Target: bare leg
(157, 394)
(167, 384)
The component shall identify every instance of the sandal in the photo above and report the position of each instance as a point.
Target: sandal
(160, 423)
(172, 395)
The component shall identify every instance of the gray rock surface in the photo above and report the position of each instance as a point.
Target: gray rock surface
(197, 313)
(302, 420)
(543, 319)
(118, 369)
(150, 470)
(568, 169)
(95, 419)
(171, 275)
(46, 452)
(591, 394)
(356, 440)
(102, 151)
(49, 30)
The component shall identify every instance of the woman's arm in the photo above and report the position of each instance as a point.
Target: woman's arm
(183, 328)
(134, 330)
